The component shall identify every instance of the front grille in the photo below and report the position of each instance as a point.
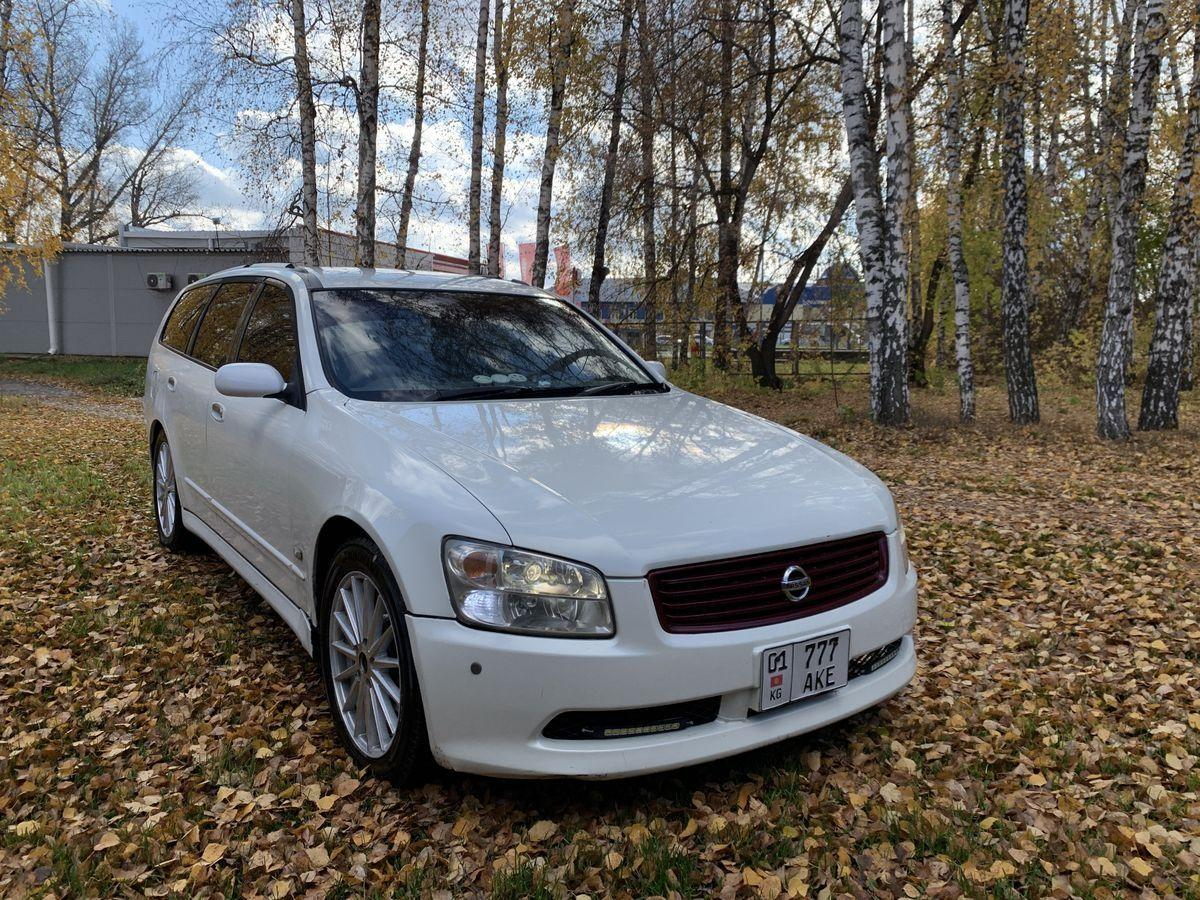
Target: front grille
(874, 660)
(588, 725)
(746, 591)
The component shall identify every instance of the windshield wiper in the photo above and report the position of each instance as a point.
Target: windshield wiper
(488, 392)
(614, 388)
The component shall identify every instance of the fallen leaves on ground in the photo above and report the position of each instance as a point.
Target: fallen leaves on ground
(162, 733)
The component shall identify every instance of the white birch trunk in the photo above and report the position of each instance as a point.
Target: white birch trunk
(559, 58)
(1111, 422)
(864, 173)
(368, 126)
(501, 52)
(892, 406)
(1020, 379)
(952, 132)
(414, 151)
(308, 136)
(1176, 282)
(646, 122)
(476, 189)
(599, 267)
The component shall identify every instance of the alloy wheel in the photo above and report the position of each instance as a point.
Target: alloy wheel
(365, 664)
(164, 490)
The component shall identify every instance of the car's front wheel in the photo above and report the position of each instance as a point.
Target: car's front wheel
(366, 664)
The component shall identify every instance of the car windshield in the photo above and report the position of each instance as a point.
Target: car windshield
(380, 344)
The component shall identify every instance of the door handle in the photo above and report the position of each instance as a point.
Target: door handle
(170, 382)
(218, 412)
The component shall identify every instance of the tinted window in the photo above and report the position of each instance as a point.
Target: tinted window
(178, 330)
(270, 335)
(427, 345)
(214, 339)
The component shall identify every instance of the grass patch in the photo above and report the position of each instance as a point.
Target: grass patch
(121, 376)
(519, 883)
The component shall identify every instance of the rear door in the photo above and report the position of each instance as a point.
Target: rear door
(212, 346)
(171, 373)
(251, 445)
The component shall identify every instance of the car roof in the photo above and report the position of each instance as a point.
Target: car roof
(321, 277)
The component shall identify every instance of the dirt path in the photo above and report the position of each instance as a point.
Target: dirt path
(61, 397)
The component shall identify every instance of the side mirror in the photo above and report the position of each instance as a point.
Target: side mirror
(248, 380)
(657, 369)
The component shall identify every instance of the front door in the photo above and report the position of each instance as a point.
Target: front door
(251, 443)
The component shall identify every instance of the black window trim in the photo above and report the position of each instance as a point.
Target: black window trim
(216, 286)
(635, 358)
(237, 331)
(294, 393)
(211, 287)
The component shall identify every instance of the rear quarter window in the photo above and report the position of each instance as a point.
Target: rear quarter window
(214, 338)
(182, 320)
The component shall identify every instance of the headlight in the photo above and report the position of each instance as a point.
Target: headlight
(514, 590)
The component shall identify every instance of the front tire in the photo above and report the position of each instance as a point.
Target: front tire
(366, 664)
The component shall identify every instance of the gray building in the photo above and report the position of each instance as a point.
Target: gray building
(337, 248)
(98, 300)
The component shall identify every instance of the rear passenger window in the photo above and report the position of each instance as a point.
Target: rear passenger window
(178, 330)
(270, 335)
(214, 339)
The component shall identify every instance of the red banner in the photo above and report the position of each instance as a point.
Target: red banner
(525, 251)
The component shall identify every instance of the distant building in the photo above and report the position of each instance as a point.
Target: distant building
(621, 299)
(100, 300)
(337, 248)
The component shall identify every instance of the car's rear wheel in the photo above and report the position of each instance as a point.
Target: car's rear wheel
(168, 514)
(370, 679)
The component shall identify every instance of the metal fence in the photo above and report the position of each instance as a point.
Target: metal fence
(812, 348)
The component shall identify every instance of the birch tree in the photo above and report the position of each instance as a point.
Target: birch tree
(561, 45)
(414, 150)
(952, 138)
(892, 408)
(1014, 304)
(1116, 335)
(501, 55)
(864, 174)
(367, 95)
(476, 188)
(1176, 279)
(308, 134)
(604, 214)
(647, 128)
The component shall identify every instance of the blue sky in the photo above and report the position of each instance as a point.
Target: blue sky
(221, 180)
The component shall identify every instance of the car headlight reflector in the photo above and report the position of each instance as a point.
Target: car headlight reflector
(499, 587)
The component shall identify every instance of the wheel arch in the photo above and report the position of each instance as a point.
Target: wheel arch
(335, 531)
(156, 428)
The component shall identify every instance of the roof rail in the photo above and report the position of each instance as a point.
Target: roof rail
(251, 264)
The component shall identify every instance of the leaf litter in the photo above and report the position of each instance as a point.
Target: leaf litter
(163, 734)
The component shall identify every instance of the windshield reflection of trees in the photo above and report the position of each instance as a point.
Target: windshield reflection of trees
(393, 341)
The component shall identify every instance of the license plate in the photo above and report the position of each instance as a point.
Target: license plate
(804, 669)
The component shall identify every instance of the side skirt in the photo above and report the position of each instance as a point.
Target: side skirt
(293, 615)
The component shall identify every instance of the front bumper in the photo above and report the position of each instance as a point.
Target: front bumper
(491, 723)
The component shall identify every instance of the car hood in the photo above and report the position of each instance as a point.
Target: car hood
(632, 483)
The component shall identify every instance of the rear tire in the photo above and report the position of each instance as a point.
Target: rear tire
(168, 513)
(367, 666)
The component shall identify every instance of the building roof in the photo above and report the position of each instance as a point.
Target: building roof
(112, 248)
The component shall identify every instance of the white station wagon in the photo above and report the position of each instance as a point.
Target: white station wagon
(507, 540)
